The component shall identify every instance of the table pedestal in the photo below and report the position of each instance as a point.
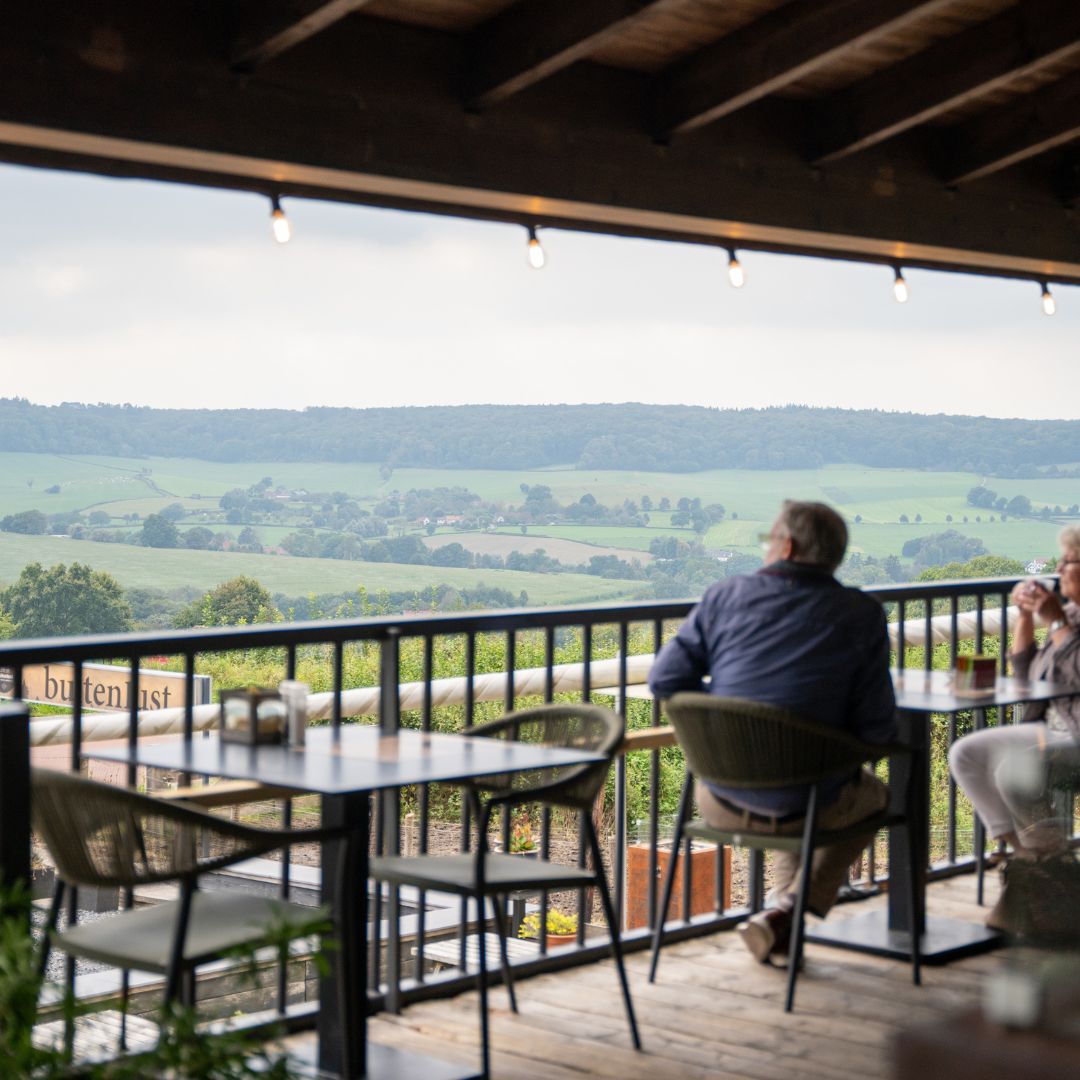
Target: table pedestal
(942, 940)
(888, 933)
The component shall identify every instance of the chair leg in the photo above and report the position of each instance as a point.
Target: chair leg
(613, 926)
(176, 957)
(980, 863)
(504, 957)
(669, 874)
(798, 919)
(485, 1047)
(50, 927)
(125, 998)
(187, 988)
(915, 871)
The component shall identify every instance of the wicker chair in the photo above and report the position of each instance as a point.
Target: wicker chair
(102, 835)
(481, 874)
(746, 744)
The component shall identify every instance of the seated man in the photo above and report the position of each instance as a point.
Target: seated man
(792, 635)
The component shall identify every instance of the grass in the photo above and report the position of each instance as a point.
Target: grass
(878, 496)
(138, 567)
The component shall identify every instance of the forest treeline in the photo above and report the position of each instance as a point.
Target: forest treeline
(650, 438)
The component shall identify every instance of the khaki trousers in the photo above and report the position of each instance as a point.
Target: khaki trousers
(862, 797)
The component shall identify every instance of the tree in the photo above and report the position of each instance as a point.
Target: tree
(983, 566)
(199, 538)
(241, 600)
(918, 518)
(99, 517)
(981, 497)
(29, 522)
(65, 600)
(173, 512)
(903, 519)
(1019, 505)
(665, 503)
(248, 540)
(159, 532)
(858, 519)
(646, 503)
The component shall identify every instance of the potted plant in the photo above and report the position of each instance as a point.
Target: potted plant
(42, 875)
(561, 929)
(522, 841)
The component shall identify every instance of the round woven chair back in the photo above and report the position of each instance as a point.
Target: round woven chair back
(737, 743)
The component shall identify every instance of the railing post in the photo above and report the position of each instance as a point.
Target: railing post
(14, 794)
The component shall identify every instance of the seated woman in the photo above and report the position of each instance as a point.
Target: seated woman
(984, 763)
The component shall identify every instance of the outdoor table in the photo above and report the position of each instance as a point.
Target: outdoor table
(345, 768)
(919, 695)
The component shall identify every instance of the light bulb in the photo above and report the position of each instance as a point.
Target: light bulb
(900, 288)
(279, 222)
(736, 274)
(1048, 303)
(534, 251)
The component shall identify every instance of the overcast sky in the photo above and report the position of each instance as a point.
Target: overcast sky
(175, 296)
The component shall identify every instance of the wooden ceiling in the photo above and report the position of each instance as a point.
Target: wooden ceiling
(942, 133)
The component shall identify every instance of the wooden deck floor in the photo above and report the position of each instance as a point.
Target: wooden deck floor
(713, 1013)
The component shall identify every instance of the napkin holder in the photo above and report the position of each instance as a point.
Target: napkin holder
(252, 716)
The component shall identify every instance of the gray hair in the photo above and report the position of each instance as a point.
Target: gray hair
(817, 532)
(1069, 538)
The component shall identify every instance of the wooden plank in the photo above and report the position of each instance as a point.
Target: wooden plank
(570, 153)
(268, 29)
(774, 51)
(1020, 42)
(647, 739)
(533, 39)
(1004, 137)
(226, 793)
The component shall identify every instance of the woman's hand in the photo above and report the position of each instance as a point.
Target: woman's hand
(1024, 596)
(1047, 606)
(1033, 600)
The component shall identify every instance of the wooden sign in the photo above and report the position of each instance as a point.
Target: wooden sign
(104, 688)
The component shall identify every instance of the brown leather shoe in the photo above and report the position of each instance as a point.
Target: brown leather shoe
(767, 935)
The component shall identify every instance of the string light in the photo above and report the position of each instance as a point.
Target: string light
(900, 286)
(735, 272)
(1048, 302)
(279, 222)
(534, 251)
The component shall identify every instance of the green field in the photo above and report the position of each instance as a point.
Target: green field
(122, 486)
(154, 568)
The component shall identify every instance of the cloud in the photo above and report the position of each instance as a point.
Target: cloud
(172, 295)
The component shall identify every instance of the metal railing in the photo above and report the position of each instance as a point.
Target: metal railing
(423, 652)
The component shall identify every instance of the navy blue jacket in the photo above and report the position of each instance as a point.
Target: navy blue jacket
(788, 635)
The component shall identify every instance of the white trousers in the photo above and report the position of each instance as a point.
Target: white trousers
(1000, 770)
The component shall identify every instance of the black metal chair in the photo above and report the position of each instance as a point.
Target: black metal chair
(482, 874)
(102, 835)
(746, 744)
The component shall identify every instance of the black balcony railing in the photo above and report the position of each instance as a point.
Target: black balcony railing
(447, 671)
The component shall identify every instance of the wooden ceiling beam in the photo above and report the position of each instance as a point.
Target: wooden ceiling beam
(264, 30)
(1021, 41)
(534, 39)
(1002, 137)
(371, 113)
(1069, 184)
(772, 52)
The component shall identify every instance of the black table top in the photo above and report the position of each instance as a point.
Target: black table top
(932, 692)
(360, 759)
